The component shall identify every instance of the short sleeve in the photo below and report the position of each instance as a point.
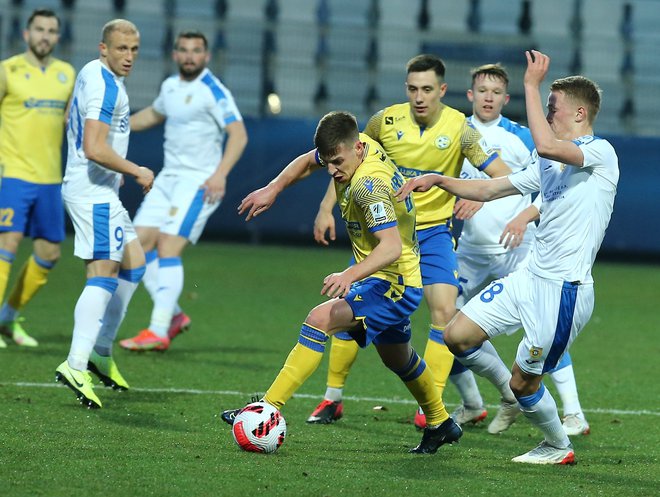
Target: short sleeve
(372, 196)
(528, 180)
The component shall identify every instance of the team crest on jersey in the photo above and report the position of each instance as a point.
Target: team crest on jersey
(535, 352)
(442, 142)
(61, 77)
(188, 99)
(378, 211)
(173, 211)
(562, 167)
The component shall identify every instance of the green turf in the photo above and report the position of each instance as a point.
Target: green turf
(247, 304)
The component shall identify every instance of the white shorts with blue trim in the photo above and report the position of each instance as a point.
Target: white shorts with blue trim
(552, 313)
(175, 205)
(102, 230)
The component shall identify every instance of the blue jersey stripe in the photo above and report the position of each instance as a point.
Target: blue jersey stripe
(564, 325)
(101, 225)
(191, 215)
(209, 81)
(521, 132)
(382, 227)
(109, 97)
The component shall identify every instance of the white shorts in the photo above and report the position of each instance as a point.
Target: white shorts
(102, 230)
(475, 271)
(175, 205)
(552, 313)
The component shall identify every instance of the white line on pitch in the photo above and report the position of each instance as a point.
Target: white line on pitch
(379, 400)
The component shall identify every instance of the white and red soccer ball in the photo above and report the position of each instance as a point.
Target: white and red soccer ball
(259, 427)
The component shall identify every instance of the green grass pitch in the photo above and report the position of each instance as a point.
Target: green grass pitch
(164, 437)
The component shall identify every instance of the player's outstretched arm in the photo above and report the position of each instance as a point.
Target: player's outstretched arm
(97, 149)
(325, 221)
(260, 200)
(482, 190)
(145, 119)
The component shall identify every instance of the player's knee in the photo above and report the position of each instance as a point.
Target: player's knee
(524, 385)
(10, 241)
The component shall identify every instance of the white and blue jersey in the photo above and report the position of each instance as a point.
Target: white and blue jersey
(481, 233)
(576, 207)
(98, 95)
(197, 113)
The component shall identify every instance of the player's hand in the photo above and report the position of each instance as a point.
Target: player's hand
(257, 202)
(145, 178)
(537, 67)
(324, 223)
(214, 188)
(337, 284)
(464, 209)
(513, 233)
(421, 183)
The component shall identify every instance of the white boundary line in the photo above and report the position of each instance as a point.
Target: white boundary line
(379, 400)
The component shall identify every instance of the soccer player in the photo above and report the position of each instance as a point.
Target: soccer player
(35, 88)
(552, 298)
(374, 297)
(422, 135)
(198, 111)
(97, 136)
(492, 245)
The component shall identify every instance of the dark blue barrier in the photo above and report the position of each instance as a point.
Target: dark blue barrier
(634, 229)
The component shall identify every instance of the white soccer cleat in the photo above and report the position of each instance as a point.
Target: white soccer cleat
(544, 453)
(504, 418)
(575, 424)
(464, 415)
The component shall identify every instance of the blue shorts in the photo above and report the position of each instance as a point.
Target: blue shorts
(437, 256)
(32, 209)
(384, 310)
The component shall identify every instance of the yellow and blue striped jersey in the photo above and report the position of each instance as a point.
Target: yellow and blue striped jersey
(368, 205)
(440, 149)
(32, 118)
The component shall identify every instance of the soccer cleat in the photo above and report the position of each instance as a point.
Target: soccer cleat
(464, 415)
(144, 341)
(326, 412)
(180, 323)
(420, 419)
(504, 418)
(575, 424)
(229, 416)
(15, 331)
(544, 453)
(80, 382)
(106, 370)
(447, 433)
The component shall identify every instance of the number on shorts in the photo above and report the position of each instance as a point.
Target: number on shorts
(489, 293)
(119, 236)
(6, 217)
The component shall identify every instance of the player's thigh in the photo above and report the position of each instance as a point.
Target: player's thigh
(332, 316)
(189, 213)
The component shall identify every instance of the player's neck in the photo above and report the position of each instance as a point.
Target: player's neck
(42, 62)
(431, 120)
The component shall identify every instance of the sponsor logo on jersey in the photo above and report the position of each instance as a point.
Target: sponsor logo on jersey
(389, 120)
(442, 142)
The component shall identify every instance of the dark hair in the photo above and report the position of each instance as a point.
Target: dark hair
(496, 71)
(191, 35)
(334, 129)
(42, 13)
(426, 62)
(582, 90)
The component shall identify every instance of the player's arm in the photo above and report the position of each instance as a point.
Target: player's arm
(260, 200)
(547, 145)
(479, 153)
(3, 83)
(514, 232)
(97, 149)
(145, 119)
(325, 221)
(216, 184)
(387, 251)
(482, 190)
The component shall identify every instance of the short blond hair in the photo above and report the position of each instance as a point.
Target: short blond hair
(121, 25)
(580, 90)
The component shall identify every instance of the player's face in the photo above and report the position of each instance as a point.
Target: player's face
(121, 51)
(191, 57)
(345, 161)
(42, 36)
(488, 96)
(424, 93)
(561, 115)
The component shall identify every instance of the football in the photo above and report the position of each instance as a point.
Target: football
(259, 427)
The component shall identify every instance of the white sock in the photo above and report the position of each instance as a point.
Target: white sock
(541, 410)
(88, 317)
(150, 278)
(564, 379)
(170, 285)
(486, 362)
(116, 310)
(8, 314)
(466, 384)
(334, 394)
